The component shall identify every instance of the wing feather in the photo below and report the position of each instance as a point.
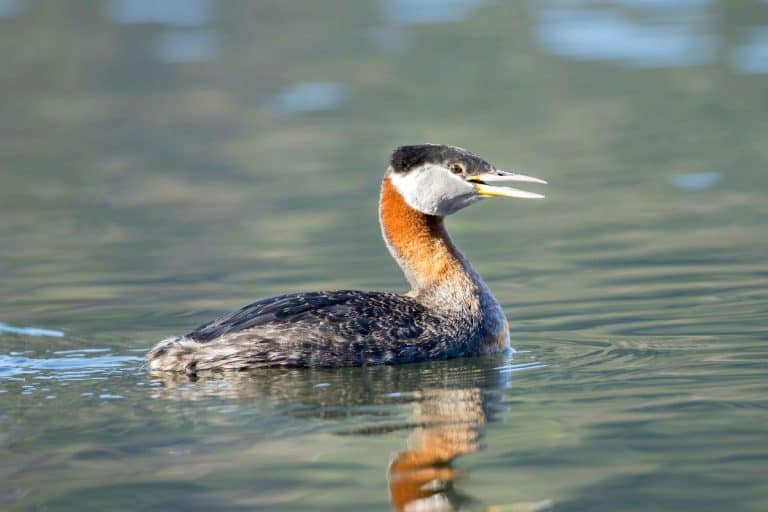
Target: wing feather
(343, 311)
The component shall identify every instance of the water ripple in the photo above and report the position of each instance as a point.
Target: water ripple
(29, 331)
(75, 365)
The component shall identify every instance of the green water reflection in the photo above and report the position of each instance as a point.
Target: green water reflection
(165, 162)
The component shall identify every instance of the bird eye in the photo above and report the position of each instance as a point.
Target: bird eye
(457, 168)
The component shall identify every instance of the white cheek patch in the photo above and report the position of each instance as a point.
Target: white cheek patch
(434, 190)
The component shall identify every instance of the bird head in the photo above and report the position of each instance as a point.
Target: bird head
(440, 180)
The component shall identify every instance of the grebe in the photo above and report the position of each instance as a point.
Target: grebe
(449, 312)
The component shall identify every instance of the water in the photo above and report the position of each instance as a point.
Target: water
(162, 165)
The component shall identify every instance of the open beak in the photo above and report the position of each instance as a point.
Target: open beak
(480, 181)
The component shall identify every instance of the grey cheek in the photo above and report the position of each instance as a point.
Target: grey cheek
(457, 195)
(435, 192)
(455, 204)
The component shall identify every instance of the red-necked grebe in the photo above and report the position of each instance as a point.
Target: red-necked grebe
(449, 312)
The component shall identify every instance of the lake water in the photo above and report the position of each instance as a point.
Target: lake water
(162, 163)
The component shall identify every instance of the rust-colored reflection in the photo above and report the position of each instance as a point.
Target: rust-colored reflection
(421, 477)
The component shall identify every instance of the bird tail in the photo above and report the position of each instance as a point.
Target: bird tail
(175, 354)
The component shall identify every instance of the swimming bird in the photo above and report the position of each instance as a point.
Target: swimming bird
(448, 312)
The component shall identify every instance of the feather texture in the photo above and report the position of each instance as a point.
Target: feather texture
(320, 329)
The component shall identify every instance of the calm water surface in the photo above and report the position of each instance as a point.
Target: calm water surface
(165, 162)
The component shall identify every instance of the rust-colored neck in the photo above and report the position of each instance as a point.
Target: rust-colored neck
(418, 242)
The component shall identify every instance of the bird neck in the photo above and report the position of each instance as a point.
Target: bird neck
(423, 249)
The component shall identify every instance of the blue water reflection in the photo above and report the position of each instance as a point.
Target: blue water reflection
(752, 56)
(644, 33)
(172, 12)
(411, 12)
(189, 41)
(11, 8)
(664, 34)
(65, 365)
(29, 331)
(695, 180)
(308, 97)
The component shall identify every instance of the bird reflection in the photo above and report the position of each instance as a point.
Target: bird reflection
(447, 402)
(421, 476)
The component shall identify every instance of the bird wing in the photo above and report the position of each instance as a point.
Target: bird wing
(342, 313)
